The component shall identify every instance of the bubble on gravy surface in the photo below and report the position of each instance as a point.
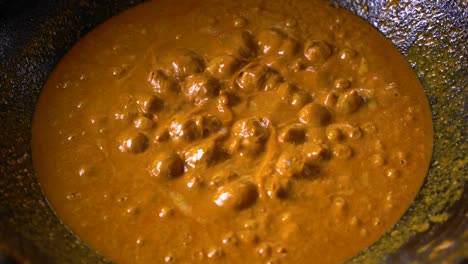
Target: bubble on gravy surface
(231, 132)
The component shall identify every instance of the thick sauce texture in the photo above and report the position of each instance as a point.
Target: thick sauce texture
(232, 132)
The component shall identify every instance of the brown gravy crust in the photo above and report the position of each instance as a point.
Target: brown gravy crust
(232, 132)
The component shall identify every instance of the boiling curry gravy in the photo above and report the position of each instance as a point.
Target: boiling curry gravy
(232, 132)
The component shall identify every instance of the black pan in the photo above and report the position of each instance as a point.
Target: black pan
(34, 35)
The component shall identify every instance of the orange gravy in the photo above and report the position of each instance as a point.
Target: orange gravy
(232, 132)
